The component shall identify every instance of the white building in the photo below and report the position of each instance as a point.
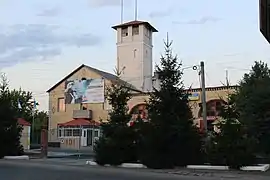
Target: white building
(134, 53)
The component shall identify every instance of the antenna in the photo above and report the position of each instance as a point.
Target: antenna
(122, 11)
(136, 10)
(227, 80)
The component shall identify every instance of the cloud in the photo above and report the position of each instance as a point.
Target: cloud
(52, 12)
(203, 20)
(20, 43)
(105, 3)
(160, 14)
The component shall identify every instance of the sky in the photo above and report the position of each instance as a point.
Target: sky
(42, 41)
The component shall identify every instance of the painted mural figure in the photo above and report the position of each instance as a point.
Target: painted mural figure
(84, 91)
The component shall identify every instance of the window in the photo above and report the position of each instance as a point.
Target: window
(61, 106)
(76, 132)
(124, 32)
(96, 133)
(135, 30)
(60, 132)
(68, 132)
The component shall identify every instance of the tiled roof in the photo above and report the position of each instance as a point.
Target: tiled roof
(80, 122)
(133, 23)
(23, 122)
(103, 74)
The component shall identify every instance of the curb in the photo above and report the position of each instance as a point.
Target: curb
(124, 165)
(259, 167)
(16, 157)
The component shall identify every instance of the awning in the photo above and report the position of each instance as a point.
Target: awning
(23, 122)
(80, 122)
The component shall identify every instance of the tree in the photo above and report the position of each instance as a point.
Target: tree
(252, 103)
(231, 146)
(116, 145)
(171, 139)
(10, 131)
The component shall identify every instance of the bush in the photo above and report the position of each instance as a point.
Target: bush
(231, 147)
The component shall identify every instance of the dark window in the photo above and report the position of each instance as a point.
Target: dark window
(135, 30)
(124, 32)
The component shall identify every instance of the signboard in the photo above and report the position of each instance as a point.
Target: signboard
(194, 97)
(84, 91)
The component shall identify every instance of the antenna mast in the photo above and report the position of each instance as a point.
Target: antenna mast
(227, 78)
(122, 11)
(136, 10)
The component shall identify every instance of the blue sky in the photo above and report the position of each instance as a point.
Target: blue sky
(42, 41)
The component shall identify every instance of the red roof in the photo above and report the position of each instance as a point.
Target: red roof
(80, 122)
(23, 122)
(133, 23)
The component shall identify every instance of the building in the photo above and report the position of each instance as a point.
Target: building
(264, 14)
(77, 102)
(26, 133)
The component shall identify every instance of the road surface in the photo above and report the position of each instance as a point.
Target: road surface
(51, 170)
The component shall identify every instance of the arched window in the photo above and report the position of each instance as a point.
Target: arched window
(139, 110)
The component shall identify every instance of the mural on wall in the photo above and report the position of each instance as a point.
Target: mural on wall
(84, 91)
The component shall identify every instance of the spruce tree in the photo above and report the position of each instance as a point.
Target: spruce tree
(116, 145)
(171, 138)
(231, 146)
(10, 131)
(252, 102)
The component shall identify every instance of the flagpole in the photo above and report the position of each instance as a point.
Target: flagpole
(122, 11)
(136, 10)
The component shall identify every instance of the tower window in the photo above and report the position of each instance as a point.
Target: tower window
(135, 30)
(124, 32)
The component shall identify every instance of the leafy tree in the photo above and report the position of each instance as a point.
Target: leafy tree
(116, 145)
(41, 119)
(230, 145)
(10, 131)
(252, 104)
(171, 139)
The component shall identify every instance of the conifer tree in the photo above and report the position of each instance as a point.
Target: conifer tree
(171, 138)
(10, 131)
(116, 145)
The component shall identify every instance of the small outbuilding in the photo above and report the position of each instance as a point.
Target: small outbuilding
(26, 133)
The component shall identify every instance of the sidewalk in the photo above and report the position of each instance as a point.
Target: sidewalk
(62, 153)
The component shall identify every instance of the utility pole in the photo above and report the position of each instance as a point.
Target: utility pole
(204, 110)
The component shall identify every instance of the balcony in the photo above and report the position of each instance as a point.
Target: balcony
(82, 114)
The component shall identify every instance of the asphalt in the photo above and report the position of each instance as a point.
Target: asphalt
(68, 169)
(12, 170)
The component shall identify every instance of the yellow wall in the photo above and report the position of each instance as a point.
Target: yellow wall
(100, 111)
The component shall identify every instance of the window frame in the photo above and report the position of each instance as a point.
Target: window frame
(135, 30)
(124, 32)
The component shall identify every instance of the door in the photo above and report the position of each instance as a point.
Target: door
(84, 138)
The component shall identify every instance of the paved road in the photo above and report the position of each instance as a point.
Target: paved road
(13, 170)
(77, 170)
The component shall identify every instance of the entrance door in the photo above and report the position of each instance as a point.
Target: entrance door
(84, 138)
